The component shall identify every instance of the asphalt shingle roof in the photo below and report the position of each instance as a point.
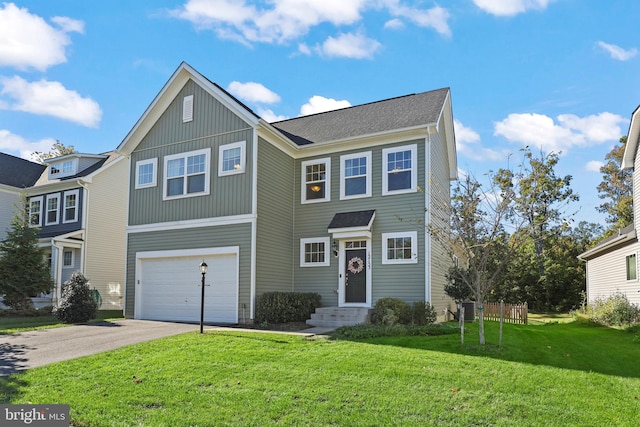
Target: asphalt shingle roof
(376, 117)
(351, 219)
(18, 172)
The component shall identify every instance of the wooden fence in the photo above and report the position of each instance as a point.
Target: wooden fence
(513, 313)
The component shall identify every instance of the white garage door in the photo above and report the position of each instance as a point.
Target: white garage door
(170, 289)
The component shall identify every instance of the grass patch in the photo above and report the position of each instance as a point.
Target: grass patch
(552, 375)
(14, 324)
(544, 318)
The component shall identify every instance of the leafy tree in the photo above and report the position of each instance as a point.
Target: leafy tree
(616, 189)
(77, 304)
(24, 272)
(58, 149)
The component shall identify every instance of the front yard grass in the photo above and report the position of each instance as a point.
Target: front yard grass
(10, 324)
(553, 375)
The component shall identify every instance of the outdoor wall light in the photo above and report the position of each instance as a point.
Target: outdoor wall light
(334, 247)
(203, 270)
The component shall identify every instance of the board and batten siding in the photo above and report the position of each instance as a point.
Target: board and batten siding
(193, 238)
(213, 125)
(394, 213)
(275, 249)
(607, 275)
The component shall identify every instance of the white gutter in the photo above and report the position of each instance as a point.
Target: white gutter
(84, 226)
(427, 219)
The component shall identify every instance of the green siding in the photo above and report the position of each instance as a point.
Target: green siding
(394, 213)
(213, 125)
(193, 238)
(275, 251)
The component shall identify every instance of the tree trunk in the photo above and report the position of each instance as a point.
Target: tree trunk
(481, 322)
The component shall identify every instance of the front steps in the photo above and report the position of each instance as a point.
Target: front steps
(334, 317)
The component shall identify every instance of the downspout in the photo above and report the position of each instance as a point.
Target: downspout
(56, 265)
(85, 220)
(427, 218)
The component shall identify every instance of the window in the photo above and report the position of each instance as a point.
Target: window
(313, 252)
(186, 174)
(55, 169)
(231, 158)
(35, 211)
(631, 267)
(146, 173)
(399, 170)
(316, 180)
(53, 204)
(67, 259)
(355, 176)
(67, 166)
(400, 248)
(71, 206)
(187, 109)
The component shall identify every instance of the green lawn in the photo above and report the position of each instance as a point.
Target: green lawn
(563, 374)
(12, 324)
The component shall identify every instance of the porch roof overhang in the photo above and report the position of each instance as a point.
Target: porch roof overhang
(356, 224)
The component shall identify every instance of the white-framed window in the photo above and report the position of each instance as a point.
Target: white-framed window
(186, 174)
(400, 248)
(316, 180)
(232, 158)
(187, 108)
(63, 168)
(67, 166)
(53, 209)
(70, 209)
(355, 175)
(35, 211)
(632, 267)
(146, 172)
(67, 258)
(314, 252)
(400, 170)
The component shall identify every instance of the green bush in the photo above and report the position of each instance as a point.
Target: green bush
(613, 311)
(389, 311)
(77, 304)
(283, 307)
(423, 313)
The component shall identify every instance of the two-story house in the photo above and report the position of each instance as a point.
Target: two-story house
(79, 205)
(334, 203)
(612, 265)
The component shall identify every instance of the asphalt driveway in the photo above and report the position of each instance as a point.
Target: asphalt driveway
(37, 348)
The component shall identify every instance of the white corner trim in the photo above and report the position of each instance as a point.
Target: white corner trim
(193, 223)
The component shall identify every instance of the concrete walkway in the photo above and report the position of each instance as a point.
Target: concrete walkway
(38, 348)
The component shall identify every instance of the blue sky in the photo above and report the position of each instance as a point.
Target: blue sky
(556, 75)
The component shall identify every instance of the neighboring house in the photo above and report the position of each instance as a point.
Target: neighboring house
(311, 204)
(16, 175)
(79, 205)
(612, 265)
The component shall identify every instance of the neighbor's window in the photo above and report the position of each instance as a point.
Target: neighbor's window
(67, 259)
(146, 173)
(53, 206)
(631, 267)
(186, 174)
(355, 175)
(316, 180)
(400, 169)
(71, 206)
(231, 158)
(400, 248)
(35, 211)
(313, 252)
(67, 166)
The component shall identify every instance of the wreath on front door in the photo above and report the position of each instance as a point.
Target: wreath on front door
(355, 265)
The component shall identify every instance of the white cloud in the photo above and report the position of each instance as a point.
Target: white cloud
(511, 7)
(269, 116)
(17, 145)
(320, 104)
(594, 166)
(468, 144)
(435, 18)
(253, 92)
(304, 49)
(51, 99)
(617, 52)
(463, 133)
(28, 41)
(357, 46)
(542, 132)
(394, 24)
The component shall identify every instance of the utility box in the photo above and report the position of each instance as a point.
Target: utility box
(469, 311)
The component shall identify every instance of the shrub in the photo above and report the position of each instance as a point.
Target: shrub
(365, 331)
(423, 313)
(389, 311)
(283, 307)
(613, 311)
(77, 304)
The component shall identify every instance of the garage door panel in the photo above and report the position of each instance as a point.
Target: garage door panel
(170, 289)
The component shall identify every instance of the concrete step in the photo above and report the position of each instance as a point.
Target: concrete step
(339, 316)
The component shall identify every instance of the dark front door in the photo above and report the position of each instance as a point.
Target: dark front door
(355, 283)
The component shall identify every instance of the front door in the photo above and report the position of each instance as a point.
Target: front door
(355, 282)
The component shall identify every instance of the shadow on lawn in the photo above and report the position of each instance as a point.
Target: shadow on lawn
(572, 346)
(12, 358)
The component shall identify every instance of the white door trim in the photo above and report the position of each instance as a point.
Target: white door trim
(341, 273)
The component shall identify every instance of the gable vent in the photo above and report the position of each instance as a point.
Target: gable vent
(187, 109)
